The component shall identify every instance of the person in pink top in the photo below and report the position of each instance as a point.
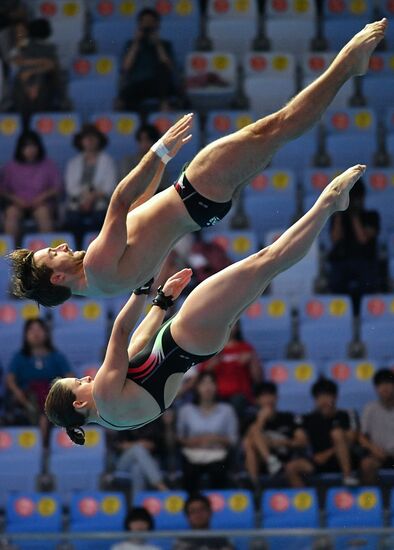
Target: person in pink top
(30, 185)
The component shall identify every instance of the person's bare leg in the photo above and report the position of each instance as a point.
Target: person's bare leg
(296, 470)
(224, 165)
(203, 323)
(342, 451)
(369, 468)
(43, 217)
(251, 461)
(12, 220)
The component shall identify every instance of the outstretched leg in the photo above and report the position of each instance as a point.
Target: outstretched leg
(226, 164)
(203, 323)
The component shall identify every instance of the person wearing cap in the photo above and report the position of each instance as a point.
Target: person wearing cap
(90, 179)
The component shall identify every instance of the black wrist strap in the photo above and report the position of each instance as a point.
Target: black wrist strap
(161, 300)
(144, 289)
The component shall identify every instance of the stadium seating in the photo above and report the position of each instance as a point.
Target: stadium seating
(379, 196)
(67, 20)
(269, 80)
(237, 244)
(291, 25)
(222, 123)
(269, 201)
(313, 64)
(13, 315)
(286, 509)
(344, 19)
(80, 330)
(6, 246)
(297, 154)
(36, 241)
(378, 83)
(30, 512)
(93, 84)
(211, 79)
(10, 128)
(57, 131)
(377, 325)
(325, 326)
(351, 136)
(75, 467)
(120, 129)
(389, 120)
(232, 25)
(166, 508)
(294, 380)
(20, 459)
(96, 511)
(266, 324)
(354, 379)
(347, 508)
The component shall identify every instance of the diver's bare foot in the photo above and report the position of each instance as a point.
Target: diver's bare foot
(357, 52)
(337, 192)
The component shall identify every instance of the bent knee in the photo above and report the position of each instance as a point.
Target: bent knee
(337, 434)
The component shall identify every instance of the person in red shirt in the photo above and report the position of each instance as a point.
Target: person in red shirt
(237, 368)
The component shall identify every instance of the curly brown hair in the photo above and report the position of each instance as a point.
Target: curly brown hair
(34, 282)
(60, 410)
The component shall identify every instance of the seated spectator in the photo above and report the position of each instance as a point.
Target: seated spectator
(330, 434)
(273, 437)
(377, 428)
(237, 370)
(136, 464)
(206, 429)
(353, 258)
(198, 511)
(90, 180)
(206, 259)
(137, 519)
(146, 136)
(147, 66)
(36, 83)
(30, 374)
(30, 186)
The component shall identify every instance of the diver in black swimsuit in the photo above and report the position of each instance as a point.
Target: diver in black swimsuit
(139, 379)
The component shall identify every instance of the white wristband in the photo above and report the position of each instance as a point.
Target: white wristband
(161, 151)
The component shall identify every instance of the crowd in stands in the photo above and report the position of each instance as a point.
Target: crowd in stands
(226, 428)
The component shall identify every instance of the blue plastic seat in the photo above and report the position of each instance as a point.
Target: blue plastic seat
(325, 326)
(344, 19)
(297, 154)
(379, 197)
(378, 83)
(237, 244)
(120, 129)
(223, 123)
(166, 508)
(377, 325)
(36, 241)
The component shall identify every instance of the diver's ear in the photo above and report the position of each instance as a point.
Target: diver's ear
(79, 404)
(57, 278)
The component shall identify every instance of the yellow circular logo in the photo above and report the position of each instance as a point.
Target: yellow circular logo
(30, 311)
(184, 7)
(174, 504)
(276, 308)
(242, 6)
(280, 62)
(127, 8)
(238, 502)
(338, 307)
(3, 247)
(358, 6)
(301, 6)
(66, 126)
(367, 500)
(391, 62)
(91, 311)
(364, 371)
(363, 120)
(392, 306)
(303, 372)
(92, 437)
(70, 9)
(125, 125)
(110, 505)
(242, 121)
(221, 62)
(27, 440)
(241, 244)
(46, 506)
(104, 66)
(302, 501)
(56, 242)
(8, 126)
(280, 180)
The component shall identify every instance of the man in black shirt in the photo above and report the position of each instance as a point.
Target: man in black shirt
(272, 437)
(330, 434)
(353, 259)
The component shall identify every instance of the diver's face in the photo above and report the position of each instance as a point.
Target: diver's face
(82, 389)
(59, 259)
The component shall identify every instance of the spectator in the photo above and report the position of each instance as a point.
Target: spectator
(90, 180)
(36, 84)
(137, 519)
(146, 136)
(330, 434)
(273, 436)
(147, 66)
(377, 423)
(237, 370)
(31, 372)
(199, 513)
(353, 259)
(206, 430)
(30, 185)
(206, 259)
